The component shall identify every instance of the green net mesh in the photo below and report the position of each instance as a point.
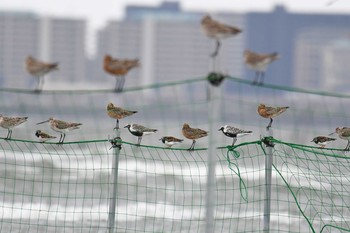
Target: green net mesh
(45, 187)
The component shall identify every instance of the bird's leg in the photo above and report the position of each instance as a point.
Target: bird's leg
(116, 84)
(216, 52)
(121, 84)
(192, 145)
(256, 78)
(59, 142)
(262, 75)
(64, 136)
(8, 134)
(234, 141)
(139, 141)
(116, 125)
(269, 126)
(347, 146)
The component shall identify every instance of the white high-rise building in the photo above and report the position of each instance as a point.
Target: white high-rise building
(169, 44)
(19, 34)
(45, 38)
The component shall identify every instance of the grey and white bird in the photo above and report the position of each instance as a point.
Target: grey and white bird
(169, 141)
(322, 141)
(11, 122)
(139, 131)
(343, 133)
(234, 132)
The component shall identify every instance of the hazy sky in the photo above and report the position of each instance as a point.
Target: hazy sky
(97, 12)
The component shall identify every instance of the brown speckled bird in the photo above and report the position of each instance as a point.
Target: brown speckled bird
(38, 70)
(259, 63)
(343, 133)
(118, 113)
(43, 137)
(270, 112)
(119, 68)
(193, 134)
(216, 30)
(11, 122)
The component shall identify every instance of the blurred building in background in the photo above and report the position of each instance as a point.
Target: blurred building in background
(171, 47)
(45, 38)
(169, 44)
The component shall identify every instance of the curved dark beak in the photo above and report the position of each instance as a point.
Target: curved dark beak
(331, 133)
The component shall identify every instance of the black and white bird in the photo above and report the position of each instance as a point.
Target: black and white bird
(234, 132)
(169, 141)
(139, 131)
(43, 137)
(322, 141)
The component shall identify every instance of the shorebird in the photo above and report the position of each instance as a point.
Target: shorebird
(38, 70)
(119, 68)
(139, 131)
(62, 127)
(43, 137)
(216, 30)
(193, 134)
(118, 113)
(11, 122)
(169, 141)
(270, 112)
(234, 132)
(322, 141)
(259, 63)
(343, 133)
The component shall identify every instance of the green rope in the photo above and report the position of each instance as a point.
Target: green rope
(336, 227)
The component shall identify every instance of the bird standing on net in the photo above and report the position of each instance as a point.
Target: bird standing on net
(270, 112)
(322, 141)
(118, 113)
(216, 30)
(119, 68)
(11, 122)
(139, 131)
(43, 137)
(193, 134)
(38, 70)
(169, 141)
(343, 133)
(62, 127)
(234, 132)
(259, 63)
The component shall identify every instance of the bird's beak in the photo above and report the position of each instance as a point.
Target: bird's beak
(126, 126)
(42, 122)
(331, 133)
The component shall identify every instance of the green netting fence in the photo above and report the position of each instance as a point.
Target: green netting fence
(45, 187)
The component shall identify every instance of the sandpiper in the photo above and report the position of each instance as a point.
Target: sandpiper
(43, 137)
(217, 31)
(39, 69)
(343, 133)
(62, 127)
(169, 141)
(118, 113)
(322, 141)
(10, 122)
(234, 132)
(139, 131)
(193, 134)
(259, 63)
(119, 68)
(270, 112)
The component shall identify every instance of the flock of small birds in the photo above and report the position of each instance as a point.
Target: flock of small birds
(119, 68)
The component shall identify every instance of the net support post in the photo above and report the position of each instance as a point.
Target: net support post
(268, 176)
(213, 110)
(113, 194)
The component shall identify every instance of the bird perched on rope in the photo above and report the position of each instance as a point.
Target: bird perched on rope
(217, 30)
(169, 141)
(118, 113)
(270, 112)
(38, 70)
(322, 141)
(139, 131)
(193, 134)
(11, 122)
(259, 63)
(343, 133)
(119, 68)
(234, 132)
